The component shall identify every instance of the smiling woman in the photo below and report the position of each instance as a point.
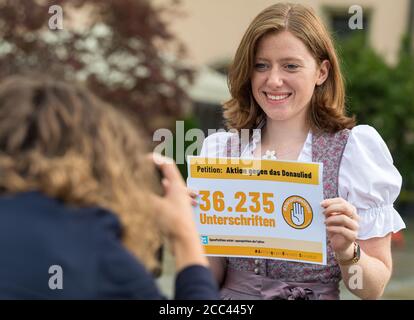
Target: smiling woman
(290, 41)
(286, 81)
(282, 83)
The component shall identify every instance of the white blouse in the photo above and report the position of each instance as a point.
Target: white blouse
(367, 177)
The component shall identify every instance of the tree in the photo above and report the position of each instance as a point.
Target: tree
(117, 53)
(401, 101)
(383, 96)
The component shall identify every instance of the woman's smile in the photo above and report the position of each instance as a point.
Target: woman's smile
(277, 98)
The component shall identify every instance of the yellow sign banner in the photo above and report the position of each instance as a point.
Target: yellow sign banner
(231, 168)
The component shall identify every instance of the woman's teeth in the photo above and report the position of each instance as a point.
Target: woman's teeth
(277, 97)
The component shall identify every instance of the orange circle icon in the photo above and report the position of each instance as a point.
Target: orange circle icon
(297, 212)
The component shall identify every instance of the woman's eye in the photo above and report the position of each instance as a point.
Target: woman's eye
(260, 66)
(291, 67)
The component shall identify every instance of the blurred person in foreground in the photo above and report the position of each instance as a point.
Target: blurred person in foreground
(79, 196)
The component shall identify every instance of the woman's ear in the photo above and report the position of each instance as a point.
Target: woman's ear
(323, 72)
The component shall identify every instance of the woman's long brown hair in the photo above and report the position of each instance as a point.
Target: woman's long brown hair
(327, 106)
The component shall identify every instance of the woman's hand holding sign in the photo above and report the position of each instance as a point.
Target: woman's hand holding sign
(342, 226)
(193, 195)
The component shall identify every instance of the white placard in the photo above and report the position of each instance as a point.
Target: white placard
(259, 208)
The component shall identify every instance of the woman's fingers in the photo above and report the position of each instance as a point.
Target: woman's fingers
(348, 234)
(168, 168)
(172, 177)
(342, 221)
(339, 206)
(341, 210)
(193, 194)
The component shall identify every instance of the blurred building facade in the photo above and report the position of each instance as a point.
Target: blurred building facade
(212, 29)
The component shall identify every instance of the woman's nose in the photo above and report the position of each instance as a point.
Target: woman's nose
(275, 78)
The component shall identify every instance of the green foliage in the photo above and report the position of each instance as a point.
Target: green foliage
(189, 123)
(383, 97)
(176, 143)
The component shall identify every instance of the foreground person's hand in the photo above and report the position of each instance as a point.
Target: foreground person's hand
(176, 216)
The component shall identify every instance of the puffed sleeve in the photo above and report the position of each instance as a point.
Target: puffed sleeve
(369, 180)
(215, 145)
